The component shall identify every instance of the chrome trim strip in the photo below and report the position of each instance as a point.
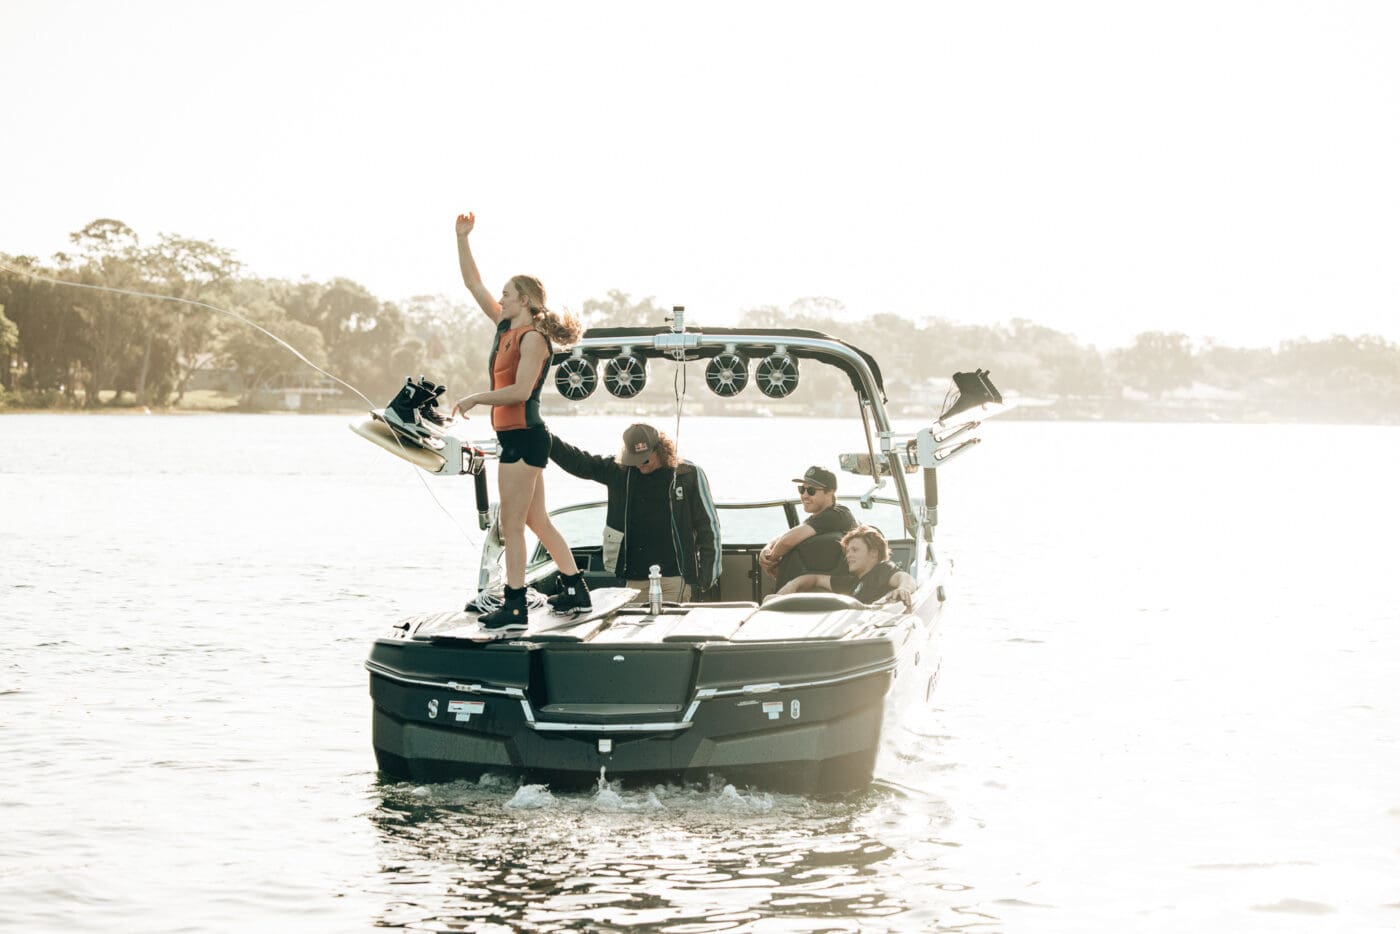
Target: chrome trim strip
(552, 727)
(683, 724)
(776, 686)
(377, 669)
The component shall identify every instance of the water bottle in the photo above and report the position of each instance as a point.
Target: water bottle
(654, 590)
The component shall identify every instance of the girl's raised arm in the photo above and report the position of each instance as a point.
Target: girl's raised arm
(470, 276)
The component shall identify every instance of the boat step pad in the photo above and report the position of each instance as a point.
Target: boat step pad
(699, 624)
(544, 626)
(775, 626)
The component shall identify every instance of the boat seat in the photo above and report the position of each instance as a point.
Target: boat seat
(740, 578)
(812, 603)
(700, 623)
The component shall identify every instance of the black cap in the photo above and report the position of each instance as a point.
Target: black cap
(638, 441)
(818, 476)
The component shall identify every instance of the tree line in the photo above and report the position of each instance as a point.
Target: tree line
(62, 346)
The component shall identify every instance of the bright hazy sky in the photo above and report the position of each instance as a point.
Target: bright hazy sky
(1227, 169)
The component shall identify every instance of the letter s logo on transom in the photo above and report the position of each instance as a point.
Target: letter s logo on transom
(432, 707)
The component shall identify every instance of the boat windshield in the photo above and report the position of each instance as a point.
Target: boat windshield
(581, 526)
(759, 523)
(884, 514)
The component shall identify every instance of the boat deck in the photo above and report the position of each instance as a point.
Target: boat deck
(794, 617)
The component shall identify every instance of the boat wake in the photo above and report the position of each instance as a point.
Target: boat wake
(719, 797)
(652, 857)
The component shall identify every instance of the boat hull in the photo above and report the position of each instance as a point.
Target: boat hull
(831, 754)
(804, 716)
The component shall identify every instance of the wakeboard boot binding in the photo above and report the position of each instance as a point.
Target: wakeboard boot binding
(573, 596)
(513, 614)
(403, 410)
(428, 408)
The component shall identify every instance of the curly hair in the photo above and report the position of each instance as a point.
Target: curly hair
(874, 540)
(562, 328)
(666, 450)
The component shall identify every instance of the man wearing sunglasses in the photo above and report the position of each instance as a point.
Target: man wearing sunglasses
(814, 546)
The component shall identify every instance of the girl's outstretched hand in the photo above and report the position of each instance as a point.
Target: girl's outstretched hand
(465, 223)
(463, 405)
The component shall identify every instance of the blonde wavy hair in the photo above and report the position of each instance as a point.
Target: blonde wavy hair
(562, 329)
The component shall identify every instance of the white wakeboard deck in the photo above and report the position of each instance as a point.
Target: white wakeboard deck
(464, 625)
(372, 427)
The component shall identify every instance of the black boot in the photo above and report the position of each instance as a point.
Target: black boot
(429, 406)
(513, 614)
(402, 410)
(573, 595)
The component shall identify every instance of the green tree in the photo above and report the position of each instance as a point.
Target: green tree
(450, 341)
(193, 270)
(9, 341)
(49, 329)
(361, 335)
(618, 310)
(1340, 377)
(262, 363)
(1156, 362)
(112, 323)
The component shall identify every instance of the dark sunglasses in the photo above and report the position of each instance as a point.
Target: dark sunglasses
(811, 490)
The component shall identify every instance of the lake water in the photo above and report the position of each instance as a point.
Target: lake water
(1170, 696)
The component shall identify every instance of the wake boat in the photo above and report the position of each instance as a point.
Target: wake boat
(785, 692)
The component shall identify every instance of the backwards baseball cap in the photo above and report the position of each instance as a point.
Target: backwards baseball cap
(818, 476)
(638, 441)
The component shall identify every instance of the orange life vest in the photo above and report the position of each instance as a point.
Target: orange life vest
(505, 360)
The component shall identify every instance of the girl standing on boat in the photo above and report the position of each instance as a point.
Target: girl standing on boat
(520, 354)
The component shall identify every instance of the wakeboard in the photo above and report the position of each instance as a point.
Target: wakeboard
(464, 626)
(427, 447)
(427, 435)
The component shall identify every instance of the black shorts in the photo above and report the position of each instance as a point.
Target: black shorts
(528, 444)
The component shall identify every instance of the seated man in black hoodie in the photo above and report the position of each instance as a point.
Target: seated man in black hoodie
(659, 512)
